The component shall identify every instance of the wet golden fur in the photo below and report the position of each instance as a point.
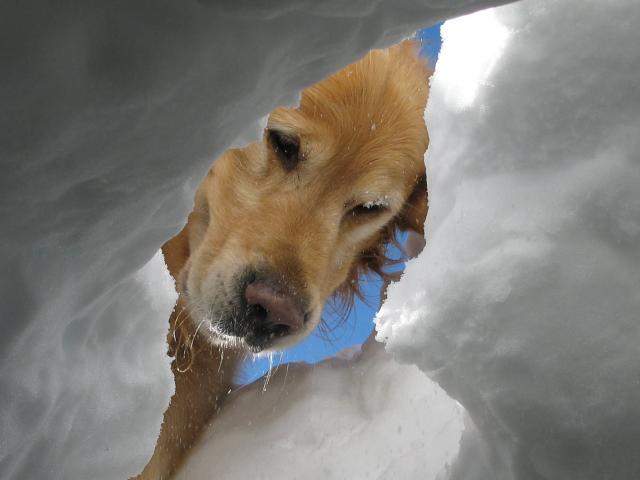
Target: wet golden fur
(361, 141)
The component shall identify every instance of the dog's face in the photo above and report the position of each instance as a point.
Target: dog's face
(278, 226)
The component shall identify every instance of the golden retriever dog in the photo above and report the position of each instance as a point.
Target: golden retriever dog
(285, 224)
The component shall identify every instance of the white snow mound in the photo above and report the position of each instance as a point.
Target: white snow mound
(341, 419)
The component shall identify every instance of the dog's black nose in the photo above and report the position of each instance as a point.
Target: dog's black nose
(274, 312)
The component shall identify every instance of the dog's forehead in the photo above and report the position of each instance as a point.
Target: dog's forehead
(348, 124)
(362, 126)
(383, 85)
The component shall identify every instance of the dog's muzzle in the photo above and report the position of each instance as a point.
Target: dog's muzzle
(269, 311)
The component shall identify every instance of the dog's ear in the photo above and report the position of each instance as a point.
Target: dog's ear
(413, 216)
(176, 252)
(414, 212)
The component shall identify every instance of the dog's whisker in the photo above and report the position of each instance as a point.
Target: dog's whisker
(284, 381)
(221, 359)
(178, 323)
(267, 377)
(193, 338)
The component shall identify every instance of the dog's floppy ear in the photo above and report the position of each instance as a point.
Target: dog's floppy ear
(176, 252)
(413, 216)
(414, 212)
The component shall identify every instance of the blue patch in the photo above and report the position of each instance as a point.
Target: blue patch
(431, 42)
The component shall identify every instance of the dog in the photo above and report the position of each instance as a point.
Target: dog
(280, 227)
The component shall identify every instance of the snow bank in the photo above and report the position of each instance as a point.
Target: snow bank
(110, 115)
(341, 419)
(525, 305)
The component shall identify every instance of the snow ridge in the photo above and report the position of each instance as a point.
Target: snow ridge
(524, 305)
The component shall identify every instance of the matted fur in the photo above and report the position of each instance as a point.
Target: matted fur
(361, 140)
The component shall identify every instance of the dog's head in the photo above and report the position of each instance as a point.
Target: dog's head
(280, 226)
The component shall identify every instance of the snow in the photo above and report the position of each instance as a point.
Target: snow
(523, 307)
(110, 116)
(362, 417)
(378, 202)
(525, 304)
(465, 78)
(125, 370)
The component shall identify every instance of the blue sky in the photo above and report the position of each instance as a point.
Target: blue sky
(359, 324)
(431, 42)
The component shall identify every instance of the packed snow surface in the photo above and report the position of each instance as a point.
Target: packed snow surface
(525, 304)
(365, 417)
(110, 115)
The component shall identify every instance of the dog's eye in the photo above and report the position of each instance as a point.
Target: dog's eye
(369, 208)
(286, 147)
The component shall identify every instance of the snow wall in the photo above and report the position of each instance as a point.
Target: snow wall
(525, 304)
(111, 112)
